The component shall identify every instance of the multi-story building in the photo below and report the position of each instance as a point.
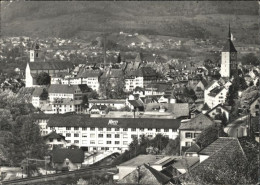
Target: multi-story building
(113, 134)
(190, 129)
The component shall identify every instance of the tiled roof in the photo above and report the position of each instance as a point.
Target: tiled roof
(194, 148)
(37, 91)
(67, 89)
(74, 155)
(50, 65)
(200, 122)
(210, 84)
(109, 101)
(85, 73)
(205, 107)
(85, 121)
(225, 143)
(219, 105)
(141, 159)
(161, 178)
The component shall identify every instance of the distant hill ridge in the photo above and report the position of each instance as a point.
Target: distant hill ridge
(70, 19)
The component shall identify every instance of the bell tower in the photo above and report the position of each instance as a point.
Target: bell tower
(228, 58)
(34, 52)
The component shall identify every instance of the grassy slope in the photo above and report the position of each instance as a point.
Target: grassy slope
(180, 19)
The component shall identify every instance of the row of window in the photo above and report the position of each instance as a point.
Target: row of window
(118, 129)
(191, 135)
(92, 142)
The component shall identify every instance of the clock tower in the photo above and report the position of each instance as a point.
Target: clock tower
(228, 58)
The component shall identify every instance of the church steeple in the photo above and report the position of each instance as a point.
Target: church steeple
(229, 32)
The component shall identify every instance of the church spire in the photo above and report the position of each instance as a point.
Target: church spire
(229, 32)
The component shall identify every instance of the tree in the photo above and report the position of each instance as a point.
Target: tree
(257, 83)
(43, 79)
(209, 135)
(93, 95)
(119, 58)
(173, 147)
(85, 102)
(44, 94)
(27, 141)
(250, 59)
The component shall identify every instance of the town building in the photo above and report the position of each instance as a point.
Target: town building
(67, 159)
(113, 134)
(54, 140)
(228, 58)
(190, 129)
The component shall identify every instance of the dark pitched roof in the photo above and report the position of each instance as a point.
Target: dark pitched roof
(37, 91)
(221, 143)
(85, 73)
(219, 105)
(136, 103)
(161, 178)
(194, 148)
(86, 121)
(229, 46)
(50, 65)
(99, 107)
(54, 135)
(214, 92)
(205, 107)
(66, 89)
(74, 155)
(200, 122)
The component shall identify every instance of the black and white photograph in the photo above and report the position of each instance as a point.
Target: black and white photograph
(129, 92)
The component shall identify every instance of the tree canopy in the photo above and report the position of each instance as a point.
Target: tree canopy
(43, 79)
(250, 59)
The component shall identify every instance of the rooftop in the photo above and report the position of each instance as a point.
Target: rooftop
(50, 65)
(74, 155)
(143, 159)
(200, 122)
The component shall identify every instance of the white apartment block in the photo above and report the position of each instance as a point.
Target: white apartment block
(133, 82)
(108, 134)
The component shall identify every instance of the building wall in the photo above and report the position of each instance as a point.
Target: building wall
(254, 108)
(132, 83)
(71, 166)
(98, 138)
(225, 64)
(62, 143)
(28, 77)
(218, 99)
(187, 141)
(215, 112)
(52, 96)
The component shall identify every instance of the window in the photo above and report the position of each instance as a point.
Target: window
(100, 129)
(116, 129)
(76, 135)
(142, 129)
(125, 129)
(125, 143)
(158, 130)
(174, 130)
(257, 106)
(100, 142)
(92, 129)
(68, 141)
(150, 136)
(125, 136)
(187, 144)
(133, 129)
(76, 128)
(51, 140)
(188, 135)
(196, 135)
(133, 136)
(108, 142)
(108, 129)
(150, 129)
(84, 128)
(117, 142)
(100, 135)
(59, 139)
(68, 135)
(166, 130)
(117, 136)
(84, 135)
(92, 135)
(67, 128)
(92, 142)
(84, 142)
(108, 135)
(76, 141)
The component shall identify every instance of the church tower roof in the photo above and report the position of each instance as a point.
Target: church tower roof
(229, 46)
